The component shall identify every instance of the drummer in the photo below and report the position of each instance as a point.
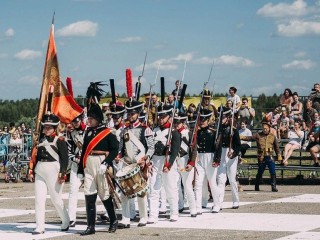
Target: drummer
(136, 146)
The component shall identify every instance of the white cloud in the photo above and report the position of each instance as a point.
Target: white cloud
(167, 64)
(203, 60)
(29, 80)
(130, 39)
(299, 28)
(9, 32)
(300, 54)
(297, 8)
(28, 54)
(79, 29)
(234, 60)
(299, 64)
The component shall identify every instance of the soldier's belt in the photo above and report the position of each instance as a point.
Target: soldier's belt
(97, 152)
(47, 160)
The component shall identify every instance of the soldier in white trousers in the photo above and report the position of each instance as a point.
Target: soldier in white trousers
(136, 146)
(185, 164)
(204, 165)
(164, 171)
(75, 147)
(227, 151)
(50, 171)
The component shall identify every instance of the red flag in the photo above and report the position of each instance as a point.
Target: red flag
(63, 104)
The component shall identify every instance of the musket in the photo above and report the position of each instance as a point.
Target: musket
(113, 193)
(217, 141)
(150, 93)
(230, 152)
(193, 141)
(138, 83)
(168, 143)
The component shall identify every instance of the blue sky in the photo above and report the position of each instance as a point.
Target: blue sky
(257, 46)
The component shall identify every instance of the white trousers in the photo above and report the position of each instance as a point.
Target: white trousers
(46, 180)
(163, 200)
(228, 167)
(126, 208)
(169, 181)
(93, 181)
(73, 192)
(132, 207)
(187, 178)
(205, 168)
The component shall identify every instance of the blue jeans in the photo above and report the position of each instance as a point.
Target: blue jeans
(262, 166)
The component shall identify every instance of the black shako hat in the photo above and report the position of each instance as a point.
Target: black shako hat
(133, 106)
(205, 114)
(225, 111)
(206, 93)
(117, 111)
(50, 119)
(165, 109)
(180, 117)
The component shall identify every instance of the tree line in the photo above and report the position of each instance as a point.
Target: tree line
(25, 110)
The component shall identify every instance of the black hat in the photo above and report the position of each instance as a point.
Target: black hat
(164, 109)
(206, 93)
(78, 118)
(205, 114)
(133, 106)
(95, 112)
(225, 111)
(180, 117)
(50, 119)
(117, 111)
(142, 116)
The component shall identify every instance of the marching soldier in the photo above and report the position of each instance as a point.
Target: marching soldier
(185, 165)
(52, 162)
(164, 166)
(75, 148)
(267, 144)
(99, 148)
(227, 152)
(206, 171)
(136, 146)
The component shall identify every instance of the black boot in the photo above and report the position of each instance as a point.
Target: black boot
(108, 204)
(91, 214)
(273, 183)
(257, 183)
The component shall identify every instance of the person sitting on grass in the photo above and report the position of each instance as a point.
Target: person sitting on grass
(295, 137)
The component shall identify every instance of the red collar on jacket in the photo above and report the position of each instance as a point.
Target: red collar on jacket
(181, 129)
(165, 126)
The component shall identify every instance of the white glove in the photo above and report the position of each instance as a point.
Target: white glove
(103, 169)
(80, 176)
